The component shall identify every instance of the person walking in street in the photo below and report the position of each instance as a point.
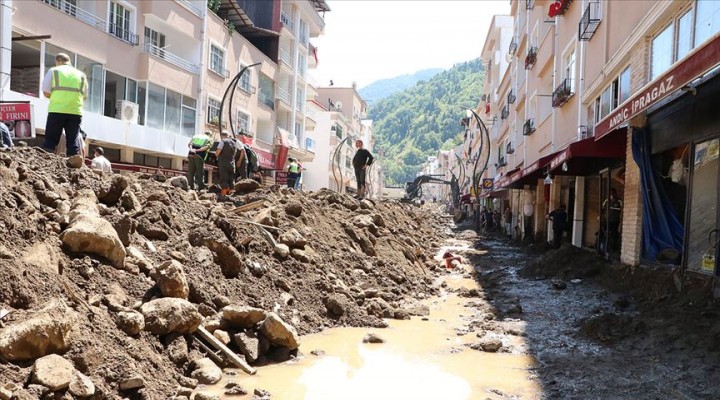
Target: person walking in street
(293, 172)
(558, 218)
(225, 154)
(508, 222)
(360, 162)
(198, 148)
(613, 207)
(66, 87)
(100, 162)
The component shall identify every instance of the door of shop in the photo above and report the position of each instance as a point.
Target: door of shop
(704, 217)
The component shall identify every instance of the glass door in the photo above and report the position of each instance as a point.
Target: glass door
(702, 248)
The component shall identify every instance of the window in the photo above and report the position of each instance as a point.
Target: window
(189, 115)
(707, 20)
(120, 22)
(131, 90)
(309, 144)
(156, 106)
(606, 102)
(243, 123)
(94, 73)
(624, 86)
(168, 110)
(217, 60)
(684, 35)
(266, 91)
(173, 111)
(156, 40)
(570, 69)
(213, 111)
(245, 79)
(662, 52)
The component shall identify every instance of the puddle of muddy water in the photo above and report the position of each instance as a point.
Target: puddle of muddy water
(419, 360)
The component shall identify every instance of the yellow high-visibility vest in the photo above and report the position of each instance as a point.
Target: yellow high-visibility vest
(67, 90)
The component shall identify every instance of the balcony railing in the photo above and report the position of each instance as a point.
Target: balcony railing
(562, 93)
(266, 100)
(286, 58)
(529, 4)
(72, 10)
(505, 112)
(529, 127)
(171, 58)
(590, 20)
(123, 34)
(513, 46)
(531, 57)
(287, 21)
(283, 95)
(511, 97)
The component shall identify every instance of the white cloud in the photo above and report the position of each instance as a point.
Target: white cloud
(368, 40)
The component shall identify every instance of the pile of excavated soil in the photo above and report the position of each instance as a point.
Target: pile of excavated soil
(567, 262)
(85, 257)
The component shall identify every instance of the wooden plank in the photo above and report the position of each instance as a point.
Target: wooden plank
(249, 206)
(231, 356)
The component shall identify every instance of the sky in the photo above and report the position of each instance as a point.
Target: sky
(368, 40)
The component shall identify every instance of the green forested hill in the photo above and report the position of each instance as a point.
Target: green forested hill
(415, 123)
(381, 89)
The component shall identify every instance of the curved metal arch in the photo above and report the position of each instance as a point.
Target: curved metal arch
(484, 145)
(336, 163)
(231, 90)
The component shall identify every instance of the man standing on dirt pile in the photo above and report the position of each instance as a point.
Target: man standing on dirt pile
(225, 154)
(198, 148)
(66, 87)
(360, 162)
(558, 218)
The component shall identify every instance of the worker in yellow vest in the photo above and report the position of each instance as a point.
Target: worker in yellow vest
(66, 87)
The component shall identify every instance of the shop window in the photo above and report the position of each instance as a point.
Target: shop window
(165, 162)
(701, 249)
(662, 52)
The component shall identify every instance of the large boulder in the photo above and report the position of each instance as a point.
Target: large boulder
(242, 317)
(171, 280)
(89, 233)
(169, 314)
(48, 331)
(279, 333)
(53, 372)
(230, 260)
(206, 372)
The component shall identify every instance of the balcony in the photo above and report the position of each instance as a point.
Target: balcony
(123, 34)
(171, 58)
(266, 100)
(511, 97)
(287, 21)
(531, 57)
(505, 112)
(562, 93)
(286, 58)
(529, 127)
(513, 46)
(80, 14)
(283, 95)
(590, 20)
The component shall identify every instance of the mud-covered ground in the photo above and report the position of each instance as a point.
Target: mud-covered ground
(598, 331)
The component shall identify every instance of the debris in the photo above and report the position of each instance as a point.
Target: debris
(372, 338)
(206, 372)
(229, 354)
(134, 382)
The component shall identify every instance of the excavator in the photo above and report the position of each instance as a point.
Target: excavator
(413, 190)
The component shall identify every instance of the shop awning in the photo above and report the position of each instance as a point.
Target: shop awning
(502, 183)
(530, 174)
(589, 156)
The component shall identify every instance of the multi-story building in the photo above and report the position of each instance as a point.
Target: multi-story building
(159, 72)
(611, 98)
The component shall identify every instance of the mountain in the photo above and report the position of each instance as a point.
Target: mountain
(413, 124)
(383, 88)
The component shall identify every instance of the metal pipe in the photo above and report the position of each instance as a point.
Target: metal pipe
(336, 157)
(232, 86)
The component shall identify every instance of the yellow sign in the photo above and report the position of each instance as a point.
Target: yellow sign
(708, 262)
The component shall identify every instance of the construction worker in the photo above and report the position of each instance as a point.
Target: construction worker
(225, 154)
(293, 172)
(198, 148)
(66, 87)
(241, 159)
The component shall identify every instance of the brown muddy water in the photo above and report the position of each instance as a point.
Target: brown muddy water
(422, 358)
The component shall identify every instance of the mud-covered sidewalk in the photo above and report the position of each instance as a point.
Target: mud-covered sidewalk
(596, 331)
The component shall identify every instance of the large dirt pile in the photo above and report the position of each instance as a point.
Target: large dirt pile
(567, 262)
(115, 273)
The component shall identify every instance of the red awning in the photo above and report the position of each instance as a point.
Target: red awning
(505, 180)
(530, 174)
(588, 156)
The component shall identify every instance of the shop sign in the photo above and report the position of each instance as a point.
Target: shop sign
(529, 170)
(281, 178)
(487, 183)
(699, 62)
(18, 118)
(559, 159)
(265, 159)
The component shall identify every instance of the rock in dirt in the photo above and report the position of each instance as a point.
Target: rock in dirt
(53, 371)
(281, 250)
(242, 317)
(75, 161)
(169, 314)
(130, 322)
(246, 186)
(206, 372)
(372, 338)
(336, 305)
(222, 336)
(81, 386)
(249, 346)
(231, 263)
(206, 396)
(295, 209)
(300, 255)
(129, 201)
(488, 345)
(235, 390)
(49, 331)
(89, 233)
(261, 394)
(293, 239)
(5, 394)
(180, 182)
(558, 284)
(279, 333)
(111, 194)
(379, 308)
(133, 382)
(170, 278)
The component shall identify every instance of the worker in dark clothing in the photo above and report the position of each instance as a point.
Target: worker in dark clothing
(360, 162)
(558, 218)
(225, 154)
(613, 207)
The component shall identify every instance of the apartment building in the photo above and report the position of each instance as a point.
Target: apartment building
(611, 97)
(157, 72)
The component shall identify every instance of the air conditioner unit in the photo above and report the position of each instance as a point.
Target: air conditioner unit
(126, 111)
